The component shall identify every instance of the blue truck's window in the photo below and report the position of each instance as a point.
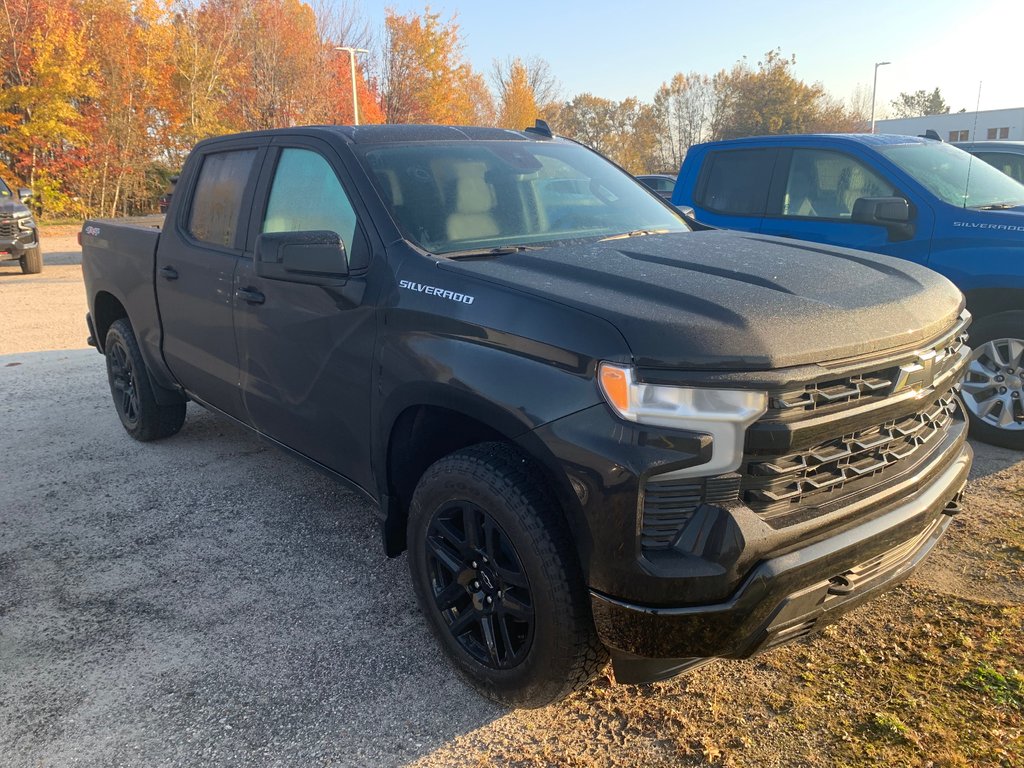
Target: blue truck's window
(824, 184)
(306, 195)
(5, 191)
(1011, 165)
(217, 200)
(737, 181)
(947, 171)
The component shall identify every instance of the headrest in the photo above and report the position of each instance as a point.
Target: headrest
(472, 192)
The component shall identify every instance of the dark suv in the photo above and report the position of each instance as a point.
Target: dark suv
(19, 235)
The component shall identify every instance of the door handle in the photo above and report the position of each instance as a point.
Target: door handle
(168, 273)
(250, 295)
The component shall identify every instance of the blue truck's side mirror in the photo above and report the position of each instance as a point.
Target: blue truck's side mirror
(317, 257)
(24, 194)
(890, 212)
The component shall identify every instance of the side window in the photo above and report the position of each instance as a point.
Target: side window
(307, 195)
(1011, 165)
(737, 181)
(825, 185)
(217, 199)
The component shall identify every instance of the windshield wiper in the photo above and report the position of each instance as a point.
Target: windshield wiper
(481, 253)
(998, 206)
(636, 233)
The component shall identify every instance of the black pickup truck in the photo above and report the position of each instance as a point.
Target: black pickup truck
(595, 431)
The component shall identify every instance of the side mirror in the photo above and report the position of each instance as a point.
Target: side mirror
(24, 194)
(315, 257)
(890, 212)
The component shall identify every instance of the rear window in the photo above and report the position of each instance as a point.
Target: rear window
(217, 199)
(737, 181)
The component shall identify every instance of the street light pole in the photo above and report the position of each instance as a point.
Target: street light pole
(352, 67)
(874, 87)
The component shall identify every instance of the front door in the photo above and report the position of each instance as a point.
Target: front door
(813, 197)
(195, 277)
(306, 351)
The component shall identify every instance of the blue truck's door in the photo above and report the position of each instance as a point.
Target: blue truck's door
(812, 198)
(306, 350)
(195, 267)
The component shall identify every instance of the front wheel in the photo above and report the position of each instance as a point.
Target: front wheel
(993, 389)
(141, 415)
(32, 261)
(496, 576)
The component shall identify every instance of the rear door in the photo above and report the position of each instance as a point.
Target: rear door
(195, 273)
(731, 191)
(812, 198)
(306, 350)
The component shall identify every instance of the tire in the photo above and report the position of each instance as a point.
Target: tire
(519, 557)
(142, 416)
(32, 261)
(993, 389)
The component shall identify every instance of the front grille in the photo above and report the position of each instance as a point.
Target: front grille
(775, 486)
(826, 443)
(8, 229)
(876, 385)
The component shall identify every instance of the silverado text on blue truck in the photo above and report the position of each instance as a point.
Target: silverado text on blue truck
(903, 196)
(595, 431)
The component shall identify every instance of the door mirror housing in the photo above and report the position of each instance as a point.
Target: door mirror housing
(881, 210)
(893, 213)
(316, 257)
(24, 194)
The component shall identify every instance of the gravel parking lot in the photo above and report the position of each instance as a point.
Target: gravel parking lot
(207, 600)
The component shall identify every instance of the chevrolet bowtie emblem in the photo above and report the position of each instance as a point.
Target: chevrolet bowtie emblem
(918, 375)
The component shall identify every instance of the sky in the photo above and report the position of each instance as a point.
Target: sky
(621, 49)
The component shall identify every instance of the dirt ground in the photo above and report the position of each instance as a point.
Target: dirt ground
(206, 600)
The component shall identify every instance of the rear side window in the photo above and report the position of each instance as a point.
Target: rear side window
(737, 181)
(217, 199)
(1011, 165)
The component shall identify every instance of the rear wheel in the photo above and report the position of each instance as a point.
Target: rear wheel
(32, 261)
(497, 578)
(142, 416)
(993, 389)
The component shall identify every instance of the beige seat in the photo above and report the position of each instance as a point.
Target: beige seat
(474, 201)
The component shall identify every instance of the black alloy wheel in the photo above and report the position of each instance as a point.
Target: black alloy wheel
(479, 585)
(123, 384)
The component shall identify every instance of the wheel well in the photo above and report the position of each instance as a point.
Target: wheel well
(983, 302)
(420, 436)
(107, 309)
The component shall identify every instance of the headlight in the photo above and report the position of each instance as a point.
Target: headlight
(27, 223)
(723, 413)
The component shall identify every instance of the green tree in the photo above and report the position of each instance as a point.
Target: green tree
(920, 103)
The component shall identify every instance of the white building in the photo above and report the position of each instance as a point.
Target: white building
(961, 126)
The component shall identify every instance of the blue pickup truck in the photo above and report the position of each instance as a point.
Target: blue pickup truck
(908, 197)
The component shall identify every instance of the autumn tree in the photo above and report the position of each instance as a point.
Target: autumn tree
(424, 75)
(45, 77)
(686, 111)
(626, 131)
(526, 90)
(770, 99)
(920, 103)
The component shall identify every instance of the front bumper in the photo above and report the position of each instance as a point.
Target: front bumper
(788, 596)
(15, 247)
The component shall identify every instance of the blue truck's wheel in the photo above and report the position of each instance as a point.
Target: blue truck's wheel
(141, 415)
(497, 579)
(993, 389)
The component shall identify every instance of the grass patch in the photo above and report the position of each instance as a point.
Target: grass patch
(1007, 689)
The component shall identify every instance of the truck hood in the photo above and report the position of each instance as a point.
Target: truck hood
(12, 209)
(733, 301)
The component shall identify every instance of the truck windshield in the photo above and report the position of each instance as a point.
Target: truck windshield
(5, 191)
(943, 170)
(465, 195)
